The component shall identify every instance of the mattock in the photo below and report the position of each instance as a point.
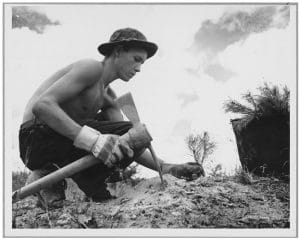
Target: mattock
(126, 104)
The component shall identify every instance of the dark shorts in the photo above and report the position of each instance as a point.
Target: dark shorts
(41, 147)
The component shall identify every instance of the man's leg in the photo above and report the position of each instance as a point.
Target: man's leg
(52, 196)
(47, 147)
(39, 145)
(92, 181)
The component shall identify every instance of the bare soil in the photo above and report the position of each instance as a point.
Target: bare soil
(219, 202)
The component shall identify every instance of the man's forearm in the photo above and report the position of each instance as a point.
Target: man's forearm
(147, 161)
(50, 113)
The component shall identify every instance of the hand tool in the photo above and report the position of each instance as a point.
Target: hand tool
(126, 104)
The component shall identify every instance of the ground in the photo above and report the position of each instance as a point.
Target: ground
(208, 202)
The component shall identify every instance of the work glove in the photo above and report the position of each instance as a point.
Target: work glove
(122, 149)
(188, 171)
(111, 148)
(100, 145)
(135, 139)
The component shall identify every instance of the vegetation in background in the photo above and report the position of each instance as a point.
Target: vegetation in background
(270, 102)
(217, 171)
(243, 176)
(19, 179)
(129, 175)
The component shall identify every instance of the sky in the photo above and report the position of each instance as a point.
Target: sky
(207, 54)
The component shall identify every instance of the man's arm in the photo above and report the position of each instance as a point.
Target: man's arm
(83, 74)
(188, 171)
(147, 161)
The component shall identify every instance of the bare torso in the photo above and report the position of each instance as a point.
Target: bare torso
(83, 106)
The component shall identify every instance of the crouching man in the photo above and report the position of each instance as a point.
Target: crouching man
(73, 113)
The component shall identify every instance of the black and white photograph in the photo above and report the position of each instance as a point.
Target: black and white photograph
(137, 119)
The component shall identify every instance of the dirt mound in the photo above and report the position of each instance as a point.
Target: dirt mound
(203, 203)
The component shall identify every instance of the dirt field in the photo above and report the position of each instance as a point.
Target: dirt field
(220, 202)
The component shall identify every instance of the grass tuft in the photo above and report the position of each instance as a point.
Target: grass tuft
(243, 176)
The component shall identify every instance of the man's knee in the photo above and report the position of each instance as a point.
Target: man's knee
(109, 127)
(127, 126)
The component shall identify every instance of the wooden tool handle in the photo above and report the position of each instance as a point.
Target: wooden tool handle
(58, 175)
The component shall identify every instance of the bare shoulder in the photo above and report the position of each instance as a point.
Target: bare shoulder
(82, 75)
(87, 68)
(88, 62)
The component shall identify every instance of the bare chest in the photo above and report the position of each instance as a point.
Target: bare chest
(86, 104)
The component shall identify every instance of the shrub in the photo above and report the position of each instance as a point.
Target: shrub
(201, 146)
(19, 179)
(270, 102)
(217, 171)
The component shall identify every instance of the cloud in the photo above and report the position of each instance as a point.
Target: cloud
(237, 26)
(193, 72)
(213, 37)
(218, 72)
(187, 98)
(182, 128)
(26, 17)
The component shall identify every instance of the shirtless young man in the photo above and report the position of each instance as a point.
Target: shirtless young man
(62, 120)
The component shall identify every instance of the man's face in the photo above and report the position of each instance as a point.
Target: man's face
(129, 62)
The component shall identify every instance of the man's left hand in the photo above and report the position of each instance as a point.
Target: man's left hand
(188, 171)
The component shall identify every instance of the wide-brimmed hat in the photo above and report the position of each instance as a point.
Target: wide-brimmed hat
(128, 37)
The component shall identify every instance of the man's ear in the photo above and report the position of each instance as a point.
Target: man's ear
(117, 51)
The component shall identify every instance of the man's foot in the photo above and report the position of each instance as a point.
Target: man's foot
(49, 200)
(52, 196)
(188, 171)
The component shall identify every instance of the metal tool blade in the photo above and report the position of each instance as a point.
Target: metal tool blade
(126, 104)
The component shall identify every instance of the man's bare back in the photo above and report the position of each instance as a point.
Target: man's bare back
(83, 106)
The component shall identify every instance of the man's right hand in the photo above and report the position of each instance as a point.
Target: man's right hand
(100, 145)
(107, 147)
(103, 149)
